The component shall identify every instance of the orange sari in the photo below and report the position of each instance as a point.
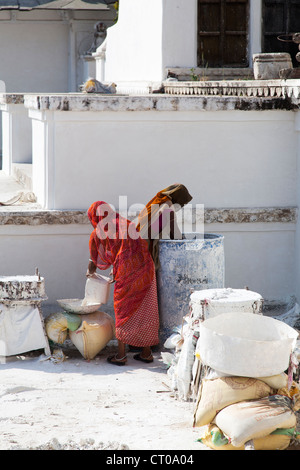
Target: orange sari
(153, 215)
(135, 296)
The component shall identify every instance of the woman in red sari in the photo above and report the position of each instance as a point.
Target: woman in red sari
(115, 242)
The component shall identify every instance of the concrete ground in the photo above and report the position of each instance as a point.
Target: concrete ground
(80, 405)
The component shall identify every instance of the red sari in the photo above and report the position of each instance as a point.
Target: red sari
(115, 242)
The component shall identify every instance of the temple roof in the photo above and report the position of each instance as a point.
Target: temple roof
(55, 4)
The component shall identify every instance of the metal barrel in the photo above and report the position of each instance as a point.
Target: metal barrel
(193, 263)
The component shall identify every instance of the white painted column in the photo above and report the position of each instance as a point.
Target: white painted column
(148, 37)
(255, 29)
(16, 136)
(43, 177)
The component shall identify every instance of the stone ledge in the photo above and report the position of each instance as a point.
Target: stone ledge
(251, 215)
(207, 73)
(160, 102)
(241, 88)
(11, 98)
(281, 215)
(43, 217)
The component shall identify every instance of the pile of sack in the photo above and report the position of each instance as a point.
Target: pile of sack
(89, 333)
(242, 409)
(182, 362)
(184, 368)
(88, 329)
(237, 403)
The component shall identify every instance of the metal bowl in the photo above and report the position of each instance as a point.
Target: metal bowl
(77, 306)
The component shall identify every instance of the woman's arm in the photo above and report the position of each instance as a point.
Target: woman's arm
(91, 268)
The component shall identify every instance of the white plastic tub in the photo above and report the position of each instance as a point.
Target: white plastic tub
(247, 345)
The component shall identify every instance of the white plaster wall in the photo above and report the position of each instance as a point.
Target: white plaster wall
(16, 136)
(261, 257)
(255, 29)
(150, 36)
(179, 34)
(60, 252)
(226, 158)
(34, 56)
(134, 43)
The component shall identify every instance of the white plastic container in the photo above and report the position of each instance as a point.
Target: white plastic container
(209, 303)
(97, 290)
(247, 345)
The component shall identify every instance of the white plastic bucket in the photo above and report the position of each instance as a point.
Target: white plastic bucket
(209, 303)
(97, 289)
(247, 345)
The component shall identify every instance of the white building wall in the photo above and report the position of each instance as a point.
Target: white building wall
(227, 158)
(134, 46)
(150, 37)
(34, 56)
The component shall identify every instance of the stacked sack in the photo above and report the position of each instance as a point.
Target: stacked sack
(182, 360)
(89, 333)
(184, 370)
(242, 404)
(89, 329)
(242, 409)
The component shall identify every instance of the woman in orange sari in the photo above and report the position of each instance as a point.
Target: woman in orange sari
(115, 242)
(158, 219)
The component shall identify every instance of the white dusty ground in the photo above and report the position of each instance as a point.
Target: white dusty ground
(92, 405)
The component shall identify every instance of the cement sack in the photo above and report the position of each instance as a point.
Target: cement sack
(58, 324)
(185, 364)
(254, 419)
(274, 381)
(280, 439)
(216, 394)
(293, 392)
(95, 331)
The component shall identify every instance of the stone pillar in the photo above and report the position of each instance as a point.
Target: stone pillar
(43, 176)
(149, 37)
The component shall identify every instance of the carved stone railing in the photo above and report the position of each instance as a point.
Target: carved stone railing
(239, 88)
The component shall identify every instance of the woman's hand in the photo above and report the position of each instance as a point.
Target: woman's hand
(91, 269)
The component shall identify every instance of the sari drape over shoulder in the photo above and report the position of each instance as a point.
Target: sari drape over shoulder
(115, 242)
(162, 202)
